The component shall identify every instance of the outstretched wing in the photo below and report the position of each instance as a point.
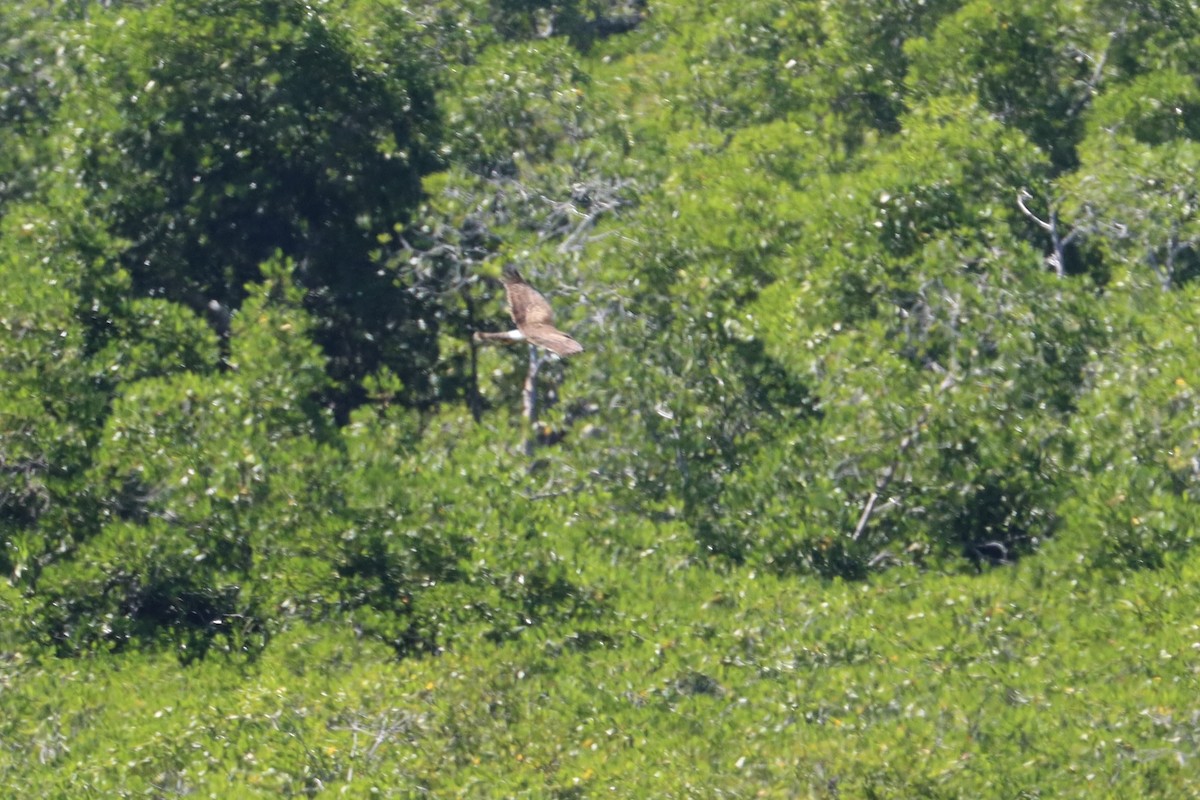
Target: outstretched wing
(534, 317)
(525, 303)
(552, 339)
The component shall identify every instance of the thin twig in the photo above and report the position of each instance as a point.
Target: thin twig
(557, 493)
(885, 479)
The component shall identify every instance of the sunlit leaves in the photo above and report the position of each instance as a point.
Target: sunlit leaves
(1013, 57)
(829, 381)
(203, 469)
(1137, 202)
(33, 79)
(153, 338)
(1139, 475)
(51, 404)
(521, 102)
(1154, 108)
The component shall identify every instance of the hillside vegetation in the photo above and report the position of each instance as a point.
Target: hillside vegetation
(878, 475)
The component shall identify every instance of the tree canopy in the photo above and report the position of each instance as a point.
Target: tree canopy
(866, 290)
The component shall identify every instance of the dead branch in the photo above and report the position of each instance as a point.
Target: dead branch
(1058, 242)
(529, 407)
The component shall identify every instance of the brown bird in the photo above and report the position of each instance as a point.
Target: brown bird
(534, 318)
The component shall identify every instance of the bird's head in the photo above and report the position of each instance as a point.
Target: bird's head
(510, 273)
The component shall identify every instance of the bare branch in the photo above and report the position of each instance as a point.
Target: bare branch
(529, 407)
(1092, 82)
(1022, 197)
(889, 473)
(1058, 242)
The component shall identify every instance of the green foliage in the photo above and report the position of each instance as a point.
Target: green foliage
(954, 442)
(522, 101)
(581, 22)
(51, 403)
(882, 450)
(867, 48)
(1153, 109)
(1013, 57)
(742, 72)
(1146, 35)
(218, 132)
(1134, 502)
(152, 338)
(1135, 203)
(32, 74)
(901, 686)
(937, 362)
(838, 69)
(201, 468)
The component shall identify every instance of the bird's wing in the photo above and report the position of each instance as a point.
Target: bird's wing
(552, 339)
(527, 305)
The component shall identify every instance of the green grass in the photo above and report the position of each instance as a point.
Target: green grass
(1023, 682)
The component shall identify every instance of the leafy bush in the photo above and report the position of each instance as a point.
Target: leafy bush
(197, 467)
(215, 133)
(51, 405)
(1019, 59)
(1133, 503)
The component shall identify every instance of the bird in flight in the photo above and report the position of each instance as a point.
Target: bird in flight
(534, 318)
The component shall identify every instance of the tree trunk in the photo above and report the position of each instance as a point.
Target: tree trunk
(529, 408)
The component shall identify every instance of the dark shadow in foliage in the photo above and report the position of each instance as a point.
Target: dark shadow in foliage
(692, 683)
(768, 396)
(46, 505)
(1184, 266)
(540, 595)
(992, 525)
(126, 609)
(262, 134)
(582, 23)
(380, 578)
(779, 392)
(835, 556)
(1015, 57)
(23, 495)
